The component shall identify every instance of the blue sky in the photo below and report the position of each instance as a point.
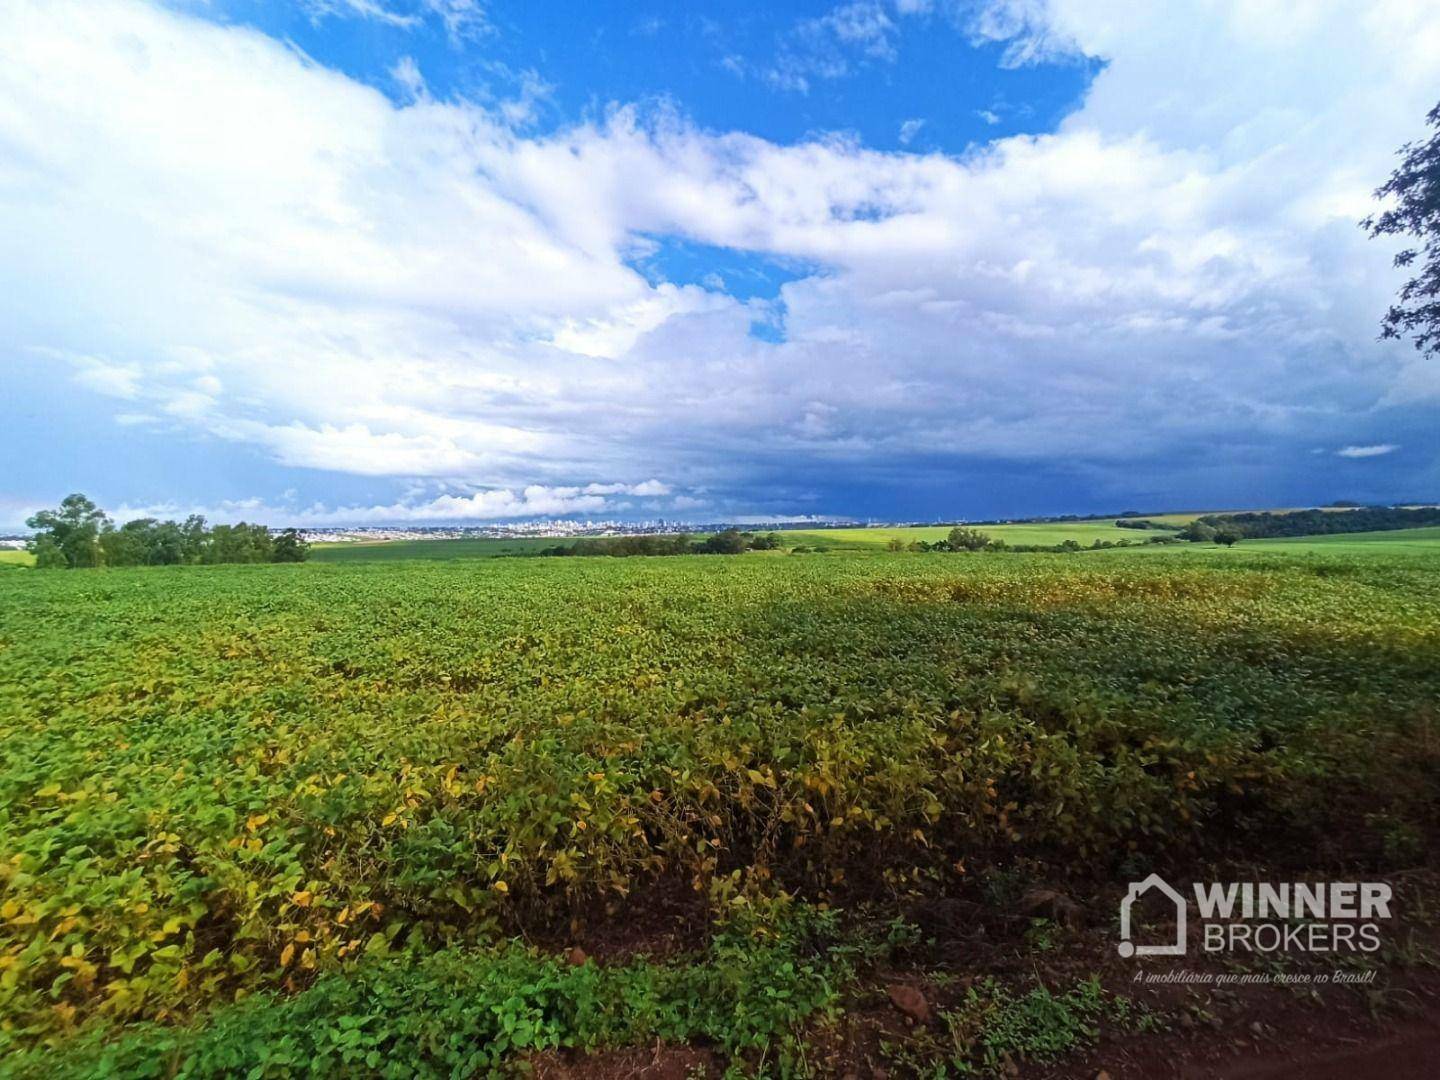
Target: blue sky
(365, 261)
(773, 70)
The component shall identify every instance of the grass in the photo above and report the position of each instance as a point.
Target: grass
(11, 557)
(1393, 542)
(1030, 533)
(230, 781)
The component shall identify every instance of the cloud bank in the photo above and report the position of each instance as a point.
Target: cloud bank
(230, 240)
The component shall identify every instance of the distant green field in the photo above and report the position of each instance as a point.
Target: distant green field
(1391, 542)
(1048, 532)
(858, 539)
(10, 557)
(1400, 541)
(391, 550)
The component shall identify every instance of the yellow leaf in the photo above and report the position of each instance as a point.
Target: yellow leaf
(287, 954)
(501, 887)
(302, 898)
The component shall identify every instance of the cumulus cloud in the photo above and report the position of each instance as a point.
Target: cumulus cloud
(223, 235)
(496, 504)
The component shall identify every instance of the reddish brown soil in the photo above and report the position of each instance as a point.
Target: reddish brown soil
(652, 1063)
(1390, 1029)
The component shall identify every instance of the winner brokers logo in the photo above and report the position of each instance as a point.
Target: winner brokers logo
(1317, 917)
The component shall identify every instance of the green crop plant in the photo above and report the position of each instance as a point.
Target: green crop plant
(217, 782)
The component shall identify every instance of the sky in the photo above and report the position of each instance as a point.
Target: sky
(342, 262)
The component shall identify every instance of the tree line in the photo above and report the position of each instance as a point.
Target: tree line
(1262, 525)
(964, 538)
(727, 542)
(79, 534)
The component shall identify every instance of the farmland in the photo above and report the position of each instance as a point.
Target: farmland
(395, 550)
(872, 540)
(1039, 533)
(319, 785)
(847, 539)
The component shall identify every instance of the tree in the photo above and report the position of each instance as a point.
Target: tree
(126, 546)
(963, 539)
(165, 545)
(193, 535)
(729, 542)
(290, 546)
(80, 534)
(48, 554)
(1198, 532)
(239, 543)
(1228, 537)
(1416, 186)
(73, 531)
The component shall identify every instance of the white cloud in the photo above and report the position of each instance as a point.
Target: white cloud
(105, 377)
(1033, 31)
(828, 46)
(461, 19)
(908, 130)
(532, 91)
(495, 504)
(1377, 450)
(406, 72)
(362, 9)
(242, 242)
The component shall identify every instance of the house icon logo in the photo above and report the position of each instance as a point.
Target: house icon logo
(1138, 889)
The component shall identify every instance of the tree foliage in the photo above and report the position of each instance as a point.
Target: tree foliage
(1264, 524)
(80, 534)
(726, 542)
(69, 536)
(963, 539)
(1415, 186)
